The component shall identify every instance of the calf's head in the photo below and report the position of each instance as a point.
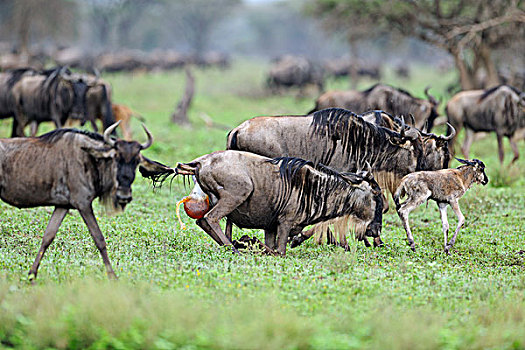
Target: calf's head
(122, 159)
(479, 170)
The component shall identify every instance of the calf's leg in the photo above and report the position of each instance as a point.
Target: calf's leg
(49, 235)
(443, 212)
(461, 221)
(98, 237)
(413, 201)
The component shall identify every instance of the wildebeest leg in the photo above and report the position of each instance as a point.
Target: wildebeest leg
(283, 231)
(100, 242)
(501, 155)
(469, 137)
(207, 228)
(443, 212)
(405, 209)
(49, 235)
(514, 150)
(461, 221)
(33, 127)
(270, 238)
(228, 229)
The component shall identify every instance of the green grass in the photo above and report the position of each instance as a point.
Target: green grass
(179, 289)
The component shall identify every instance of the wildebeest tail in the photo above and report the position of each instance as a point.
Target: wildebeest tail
(316, 108)
(231, 142)
(186, 168)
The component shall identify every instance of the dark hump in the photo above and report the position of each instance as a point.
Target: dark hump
(369, 90)
(56, 134)
(490, 91)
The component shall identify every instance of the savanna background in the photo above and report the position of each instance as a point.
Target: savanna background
(177, 288)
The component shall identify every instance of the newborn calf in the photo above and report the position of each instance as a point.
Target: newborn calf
(445, 186)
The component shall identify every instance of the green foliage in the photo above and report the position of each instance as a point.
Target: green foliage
(179, 289)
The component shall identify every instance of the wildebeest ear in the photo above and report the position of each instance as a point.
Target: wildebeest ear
(100, 153)
(152, 169)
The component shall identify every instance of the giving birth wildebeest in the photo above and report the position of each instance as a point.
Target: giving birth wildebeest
(68, 169)
(282, 196)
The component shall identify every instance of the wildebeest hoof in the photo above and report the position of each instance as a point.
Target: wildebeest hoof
(447, 249)
(297, 240)
(31, 277)
(413, 248)
(378, 242)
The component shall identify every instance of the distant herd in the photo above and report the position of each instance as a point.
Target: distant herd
(330, 168)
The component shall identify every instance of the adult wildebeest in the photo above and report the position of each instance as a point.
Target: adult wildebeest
(7, 100)
(291, 71)
(54, 95)
(445, 187)
(384, 97)
(98, 102)
(68, 169)
(498, 109)
(281, 196)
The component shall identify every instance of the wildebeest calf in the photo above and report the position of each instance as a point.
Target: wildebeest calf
(445, 187)
(281, 195)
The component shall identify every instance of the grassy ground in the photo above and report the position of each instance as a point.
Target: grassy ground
(179, 289)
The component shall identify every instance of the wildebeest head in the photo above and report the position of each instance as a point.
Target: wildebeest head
(433, 109)
(436, 149)
(122, 158)
(70, 92)
(479, 170)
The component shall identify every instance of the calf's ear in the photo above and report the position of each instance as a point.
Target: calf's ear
(152, 169)
(100, 153)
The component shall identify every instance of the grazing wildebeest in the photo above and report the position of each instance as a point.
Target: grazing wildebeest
(54, 95)
(68, 169)
(498, 109)
(445, 187)
(337, 138)
(291, 71)
(384, 97)
(281, 196)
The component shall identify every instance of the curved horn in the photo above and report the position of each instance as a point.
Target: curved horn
(452, 133)
(425, 127)
(108, 132)
(412, 119)
(150, 138)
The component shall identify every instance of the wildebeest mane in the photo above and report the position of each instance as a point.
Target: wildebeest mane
(490, 91)
(313, 188)
(56, 134)
(369, 90)
(16, 74)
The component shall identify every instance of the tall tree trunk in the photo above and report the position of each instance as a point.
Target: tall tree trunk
(465, 77)
(490, 68)
(180, 116)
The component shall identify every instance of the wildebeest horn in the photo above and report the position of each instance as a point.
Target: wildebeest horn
(425, 127)
(452, 133)
(431, 98)
(108, 132)
(412, 119)
(150, 138)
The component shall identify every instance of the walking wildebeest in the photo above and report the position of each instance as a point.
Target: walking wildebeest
(68, 169)
(54, 95)
(384, 97)
(445, 187)
(339, 139)
(291, 71)
(281, 196)
(498, 109)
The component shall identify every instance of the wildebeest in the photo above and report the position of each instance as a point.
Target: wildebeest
(7, 100)
(445, 187)
(98, 102)
(383, 97)
(291, 71)
(53, 95)
(281, 196)
(68, 169)
(498, 109)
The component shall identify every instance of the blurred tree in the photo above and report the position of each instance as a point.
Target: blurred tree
(196, 19)
(470, 30)
(24, 21)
